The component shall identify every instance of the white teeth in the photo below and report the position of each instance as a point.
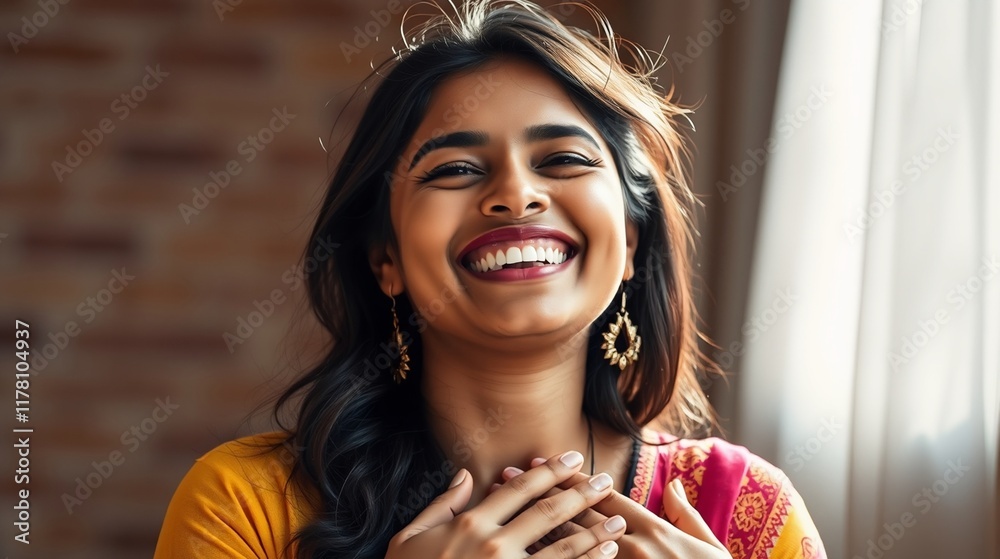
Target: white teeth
(513, 255)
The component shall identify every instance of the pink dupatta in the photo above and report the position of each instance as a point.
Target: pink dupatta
(749, 504)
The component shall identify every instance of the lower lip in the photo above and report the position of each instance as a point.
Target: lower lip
(521, 274)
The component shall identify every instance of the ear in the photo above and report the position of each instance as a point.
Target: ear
(384, 264)
(631, 242)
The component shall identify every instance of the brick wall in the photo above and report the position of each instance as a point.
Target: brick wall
(115, 114)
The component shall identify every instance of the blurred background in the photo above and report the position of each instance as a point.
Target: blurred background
(161, 163)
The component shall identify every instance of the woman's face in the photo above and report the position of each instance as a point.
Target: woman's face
(504, 151)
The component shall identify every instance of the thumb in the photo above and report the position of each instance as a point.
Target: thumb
(681, 514)
(443, 508)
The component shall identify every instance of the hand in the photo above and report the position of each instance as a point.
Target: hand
(685, 535)
(506, 522)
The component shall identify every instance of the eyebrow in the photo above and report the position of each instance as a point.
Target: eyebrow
(475, 138)
(555, 131)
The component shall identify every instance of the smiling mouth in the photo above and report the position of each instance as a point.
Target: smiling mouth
(536, 254)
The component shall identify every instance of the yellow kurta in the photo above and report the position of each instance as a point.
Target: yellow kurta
(232, 503)
(236, 501)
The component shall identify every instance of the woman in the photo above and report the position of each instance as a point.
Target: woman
(512, 215)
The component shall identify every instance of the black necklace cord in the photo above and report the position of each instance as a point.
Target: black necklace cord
(590, 436)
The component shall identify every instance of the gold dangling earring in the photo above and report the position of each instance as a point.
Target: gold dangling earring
(622, 322)
(399, 372)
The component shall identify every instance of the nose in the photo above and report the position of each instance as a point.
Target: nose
(515, 194)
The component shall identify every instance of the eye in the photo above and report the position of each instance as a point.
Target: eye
(562, 159)
(455, 169)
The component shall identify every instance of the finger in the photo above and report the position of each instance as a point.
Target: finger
(564, 530)
(551, 512)
(606, 549)
(443, 508)
(681, 514)
(584, 520)
(589, 543)
(501, 505)
(616, 503)
(580, 522)
(558, 533)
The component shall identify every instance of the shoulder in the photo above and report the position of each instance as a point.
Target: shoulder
(236, 500)
(257, 460)
(749, 503)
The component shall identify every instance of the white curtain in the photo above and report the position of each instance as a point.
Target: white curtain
(872, 341)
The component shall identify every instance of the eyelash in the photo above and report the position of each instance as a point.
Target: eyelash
(443, 170)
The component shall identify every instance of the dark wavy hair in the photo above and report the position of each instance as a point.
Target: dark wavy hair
(367, 455)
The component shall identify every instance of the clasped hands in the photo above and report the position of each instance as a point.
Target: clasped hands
(552, 511)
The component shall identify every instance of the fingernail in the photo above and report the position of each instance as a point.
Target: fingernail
(600, 482)
(511, 471)
(459, 478)
(537, 462)
(609, 548)
(571, 459)
(494, 487)
(614, 523)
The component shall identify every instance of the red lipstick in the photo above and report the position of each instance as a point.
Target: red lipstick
(540, 243)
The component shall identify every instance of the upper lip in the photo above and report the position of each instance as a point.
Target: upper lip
(517, 233)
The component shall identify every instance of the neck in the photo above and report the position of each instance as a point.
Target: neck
(482, 415)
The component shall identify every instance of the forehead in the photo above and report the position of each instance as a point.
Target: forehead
(501, 97)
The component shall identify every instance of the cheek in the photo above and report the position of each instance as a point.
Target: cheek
(428, 224)
(600, 214)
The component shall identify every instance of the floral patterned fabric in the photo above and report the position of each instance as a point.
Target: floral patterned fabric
(748, 503)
